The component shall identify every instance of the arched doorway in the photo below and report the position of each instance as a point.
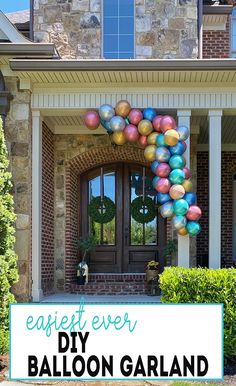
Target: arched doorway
(124, 245)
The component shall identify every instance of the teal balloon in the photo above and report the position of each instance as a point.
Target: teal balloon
(177, 176)
(180, 207)
(177, 162)
(160, 140)
(193, 228)
(154, 181)
(179, 222)
(166, 210)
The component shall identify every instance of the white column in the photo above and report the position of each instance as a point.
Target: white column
(215, 117)
(183, 241)
(37, 292)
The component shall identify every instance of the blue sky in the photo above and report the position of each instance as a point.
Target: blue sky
(13, 5)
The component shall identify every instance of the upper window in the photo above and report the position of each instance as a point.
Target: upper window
(118, 29)
(233, 34)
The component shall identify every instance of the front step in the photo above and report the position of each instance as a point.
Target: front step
(112, 284)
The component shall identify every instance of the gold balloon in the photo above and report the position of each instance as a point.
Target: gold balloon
(123, 108)
(182, 232)
(171, 137)
(152, 138)
(188, 186)
(118, 138)
(150, 153)
(145, 127)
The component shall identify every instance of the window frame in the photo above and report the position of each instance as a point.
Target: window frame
(102, 33)
(232, 20)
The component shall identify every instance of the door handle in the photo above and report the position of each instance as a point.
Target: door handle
(126, 235)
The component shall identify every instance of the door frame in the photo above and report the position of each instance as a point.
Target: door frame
(122, 170)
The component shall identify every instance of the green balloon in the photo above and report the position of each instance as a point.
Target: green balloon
(193, 228)
(177, 176)
(180, 207)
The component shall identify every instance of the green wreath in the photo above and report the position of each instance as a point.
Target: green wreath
(137, 212)
(97, 214)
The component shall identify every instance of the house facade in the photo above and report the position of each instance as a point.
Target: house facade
(174, 55)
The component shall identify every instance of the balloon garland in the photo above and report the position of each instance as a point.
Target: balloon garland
(102, 210)
(164, 145)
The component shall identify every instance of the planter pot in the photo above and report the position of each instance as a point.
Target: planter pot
(151, 274)
(81, 280)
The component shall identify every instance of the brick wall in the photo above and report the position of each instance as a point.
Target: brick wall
(228, 170)
(216, 44)
(47, 210)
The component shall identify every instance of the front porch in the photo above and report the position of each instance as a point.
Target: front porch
(63, 150)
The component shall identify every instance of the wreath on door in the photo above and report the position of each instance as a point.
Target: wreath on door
(143, 209)
(102, 209)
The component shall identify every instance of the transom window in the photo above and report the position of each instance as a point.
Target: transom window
(233, 34)
(118, 29)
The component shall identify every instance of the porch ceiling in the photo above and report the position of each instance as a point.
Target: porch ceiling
(228, 129)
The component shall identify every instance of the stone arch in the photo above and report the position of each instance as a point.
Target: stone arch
(75, 167)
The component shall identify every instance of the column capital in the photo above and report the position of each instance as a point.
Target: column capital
(184, 113)
(36, 113)
(215, 113)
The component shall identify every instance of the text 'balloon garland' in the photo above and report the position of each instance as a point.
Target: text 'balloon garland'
(164, 145)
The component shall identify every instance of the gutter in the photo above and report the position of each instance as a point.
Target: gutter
(122, 65)
(217, 9)
(29, 49)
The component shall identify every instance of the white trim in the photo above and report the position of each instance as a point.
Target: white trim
(37, 292)
(214, 22)
(183, 241)
(215, 118)
(10, 31)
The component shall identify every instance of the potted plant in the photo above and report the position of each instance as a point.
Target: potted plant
(152, 270)
(168, 252)
(86, 245)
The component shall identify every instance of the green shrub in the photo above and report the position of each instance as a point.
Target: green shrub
(8, 259)
(201, 285)
(3, 342)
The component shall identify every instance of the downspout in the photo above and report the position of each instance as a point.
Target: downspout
(32, 20)
(200, 28)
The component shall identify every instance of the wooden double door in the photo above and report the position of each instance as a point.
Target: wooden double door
(124, 245)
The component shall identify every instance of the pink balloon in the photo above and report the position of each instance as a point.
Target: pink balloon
(135, 116)
(167, 123)
(194, 213)
(131, 133)
(157, 123)
(163, 170)
(143, 140)
(92, 120)
(163, 185)
(187, 173)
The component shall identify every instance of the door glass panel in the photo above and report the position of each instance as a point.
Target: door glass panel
(105, 233)
(142, 234)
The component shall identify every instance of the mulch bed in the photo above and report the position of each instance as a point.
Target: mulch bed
(3, 366)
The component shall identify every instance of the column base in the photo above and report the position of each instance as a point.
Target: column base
(37, 295)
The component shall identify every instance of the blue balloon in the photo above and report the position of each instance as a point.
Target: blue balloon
(177, 162)
(177, 176)
(178, 149)
(154, 181)
(149, 113)
(193, 228)
(106, 125)
(154, 165)
(191, 198)
(160, 140)
(162, 198)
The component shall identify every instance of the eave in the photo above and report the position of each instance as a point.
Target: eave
(217, 9)
(27, 50)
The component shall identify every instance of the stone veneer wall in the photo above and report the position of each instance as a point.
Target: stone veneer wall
(47, 210)
(164, 28)
(18, 137)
